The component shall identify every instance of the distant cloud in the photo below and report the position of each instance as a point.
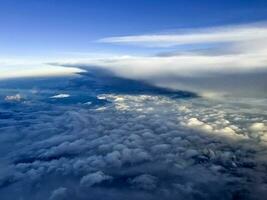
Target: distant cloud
(16, 97)
(23, 69)
(60, 96)
(197, 36)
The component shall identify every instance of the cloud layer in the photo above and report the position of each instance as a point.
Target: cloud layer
(13, 68)
(135, 147)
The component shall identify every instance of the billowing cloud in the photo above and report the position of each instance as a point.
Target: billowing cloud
(149, 146)
(205, 61)
(237, 57)
(197, 73)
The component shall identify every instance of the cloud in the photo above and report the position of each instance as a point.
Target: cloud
(145, 182)
(237, 57)
(206, 61)
(60, 96)
(94, 178)
(207, 35)
(153, 148)
(13, 68)
(16, 97)
(198, 73)
(258, 126)
(59, 194)
(226, 131)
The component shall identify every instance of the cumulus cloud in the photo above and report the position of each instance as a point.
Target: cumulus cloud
(94, 178)
(259, 129)
(226, 131)
(258, 126)
(156, 147)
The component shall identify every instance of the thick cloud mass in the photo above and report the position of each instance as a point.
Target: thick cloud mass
(207, 60)
(144, 143)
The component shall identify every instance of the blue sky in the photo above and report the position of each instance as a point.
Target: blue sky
(51, 27)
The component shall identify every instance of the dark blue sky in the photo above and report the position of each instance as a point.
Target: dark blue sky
(50, 26)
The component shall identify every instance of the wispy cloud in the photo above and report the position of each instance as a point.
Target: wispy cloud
(207, 35)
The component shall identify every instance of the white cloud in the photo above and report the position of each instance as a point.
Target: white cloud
(243, 62)
(182, 65)
(26, 68)
(258, 127)
(16, 97)
(226, 131)
(60, 96)
(198, 73)
(207, 35)
(195, 123)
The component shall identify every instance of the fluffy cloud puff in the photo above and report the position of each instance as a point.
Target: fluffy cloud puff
(94, 178)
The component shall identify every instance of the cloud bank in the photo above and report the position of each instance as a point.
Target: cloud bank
(238, 57)
(141, 146)
(13, 68)
(206, 61)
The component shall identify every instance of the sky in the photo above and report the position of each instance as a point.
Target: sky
(52, 27)
(152, 39)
